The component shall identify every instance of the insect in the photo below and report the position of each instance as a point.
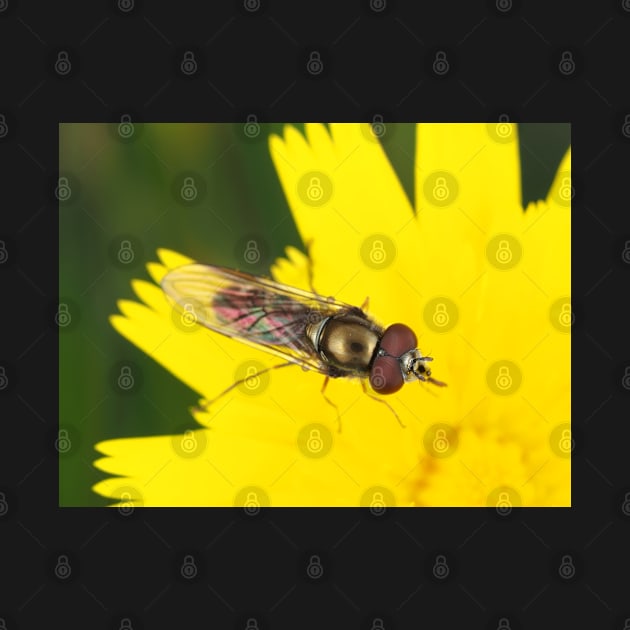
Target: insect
(303, 328)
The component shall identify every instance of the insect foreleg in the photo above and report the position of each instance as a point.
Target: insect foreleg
(365, 391)
(331, 403)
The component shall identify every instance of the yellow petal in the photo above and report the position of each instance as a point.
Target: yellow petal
(255, 450)
(205, 361)
(358, 222)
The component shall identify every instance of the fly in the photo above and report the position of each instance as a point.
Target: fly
(303, 328)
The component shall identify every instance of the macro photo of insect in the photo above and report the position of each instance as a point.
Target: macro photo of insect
(369, 315)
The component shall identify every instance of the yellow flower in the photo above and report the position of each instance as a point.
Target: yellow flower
(486, 287)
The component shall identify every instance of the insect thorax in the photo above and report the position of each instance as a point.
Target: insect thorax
(347, 342)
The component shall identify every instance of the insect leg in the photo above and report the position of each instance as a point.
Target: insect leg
(365, 391)
(331, 403)
(365, 304)
(204, 406)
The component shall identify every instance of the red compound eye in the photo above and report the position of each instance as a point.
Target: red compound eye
(385, 375)
(398, 339)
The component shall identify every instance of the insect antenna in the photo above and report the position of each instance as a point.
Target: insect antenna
(424, 373)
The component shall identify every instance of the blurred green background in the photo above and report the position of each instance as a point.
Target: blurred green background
(124, 191)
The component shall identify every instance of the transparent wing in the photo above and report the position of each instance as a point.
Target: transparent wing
(260, 312)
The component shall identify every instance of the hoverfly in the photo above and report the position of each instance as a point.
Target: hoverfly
(317, 333)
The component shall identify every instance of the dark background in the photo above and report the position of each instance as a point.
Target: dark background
(504, 58)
